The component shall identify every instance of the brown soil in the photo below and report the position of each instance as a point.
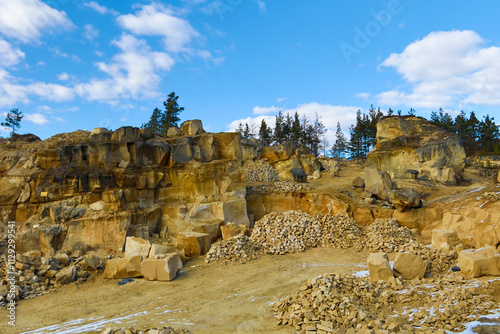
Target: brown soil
(204, 298)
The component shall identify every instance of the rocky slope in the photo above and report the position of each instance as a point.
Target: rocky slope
(413, 143)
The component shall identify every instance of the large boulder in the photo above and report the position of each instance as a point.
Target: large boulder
(66, 275)
(174, 132)
(137, 246)
(158, 249)
(378, 183)
(279, 152)
(482, 262)
(91, 262)
(229, 145)
(194, 243)
(251, 148)
(209, 150)
(182, 150)
(413, 143)
(404, 198)
(445, 240)
(192, 128)
(409, 266)
(379, 267)
(298, 175)
(126, 267)
(358, 182)
(163, 268)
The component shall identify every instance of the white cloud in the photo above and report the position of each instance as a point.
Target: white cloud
(280, 99)
(445, 69)
(89, 32)
(157, 20)
(132, 73)
(100, 9)
(11, 92)
(36, 118)
(9, 55)
(363, 96)
(256, 121)
(25, 20)
(63, 76)
(265, 110)
(329, 114)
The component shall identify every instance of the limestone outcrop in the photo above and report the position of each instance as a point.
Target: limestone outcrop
(91, 190)
(412, 143)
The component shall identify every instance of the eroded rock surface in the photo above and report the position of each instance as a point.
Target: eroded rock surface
(413, 143)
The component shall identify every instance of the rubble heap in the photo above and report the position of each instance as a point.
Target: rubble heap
(240, 249)
(156, 330)
(279, 187)
(287, 232)
(340, 232)
(37, 275)
(385, 235)
(260, 171)
(333, 301)
(295, 231)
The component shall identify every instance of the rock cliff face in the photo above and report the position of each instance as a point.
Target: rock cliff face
(88, 190)
(413, 143)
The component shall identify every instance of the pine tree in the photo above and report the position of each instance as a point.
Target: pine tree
(340, 146)
(443, 120)
(265, 133)
(246, 132)
(287, 127)
(240, 129)
(170, 116)
(473, 127)
(154, 123)
(279, 137)
(317, 136)
(355, 143)
(161, 121)
(295, 132)
(306, 132)
(370, 123)
(489, 134)
(13, 119)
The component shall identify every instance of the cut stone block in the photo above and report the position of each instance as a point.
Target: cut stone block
(194, 243)
(126, 267)
(161, 269)
(409, 266)
(483, 262)
(379, 267)
(137, 246)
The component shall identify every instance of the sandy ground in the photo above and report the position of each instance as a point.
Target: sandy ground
(212, 298)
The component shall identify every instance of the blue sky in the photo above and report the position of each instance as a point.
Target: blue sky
(72, 65)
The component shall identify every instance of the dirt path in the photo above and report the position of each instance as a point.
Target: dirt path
(204, 298)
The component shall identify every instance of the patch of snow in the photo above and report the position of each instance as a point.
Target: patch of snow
(361, 274)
